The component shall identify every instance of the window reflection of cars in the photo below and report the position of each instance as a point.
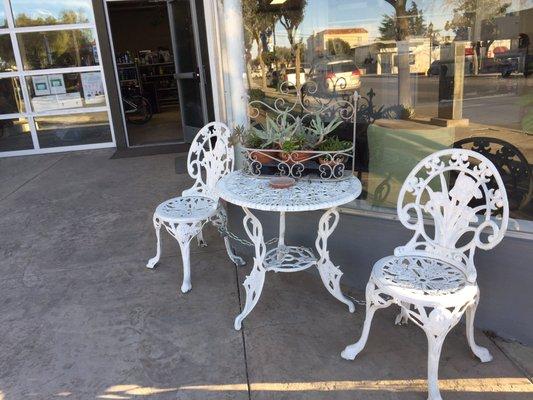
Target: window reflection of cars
(435, 67)
(290, 76)
(334, 76)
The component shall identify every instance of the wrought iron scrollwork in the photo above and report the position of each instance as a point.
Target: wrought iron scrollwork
(303, 105)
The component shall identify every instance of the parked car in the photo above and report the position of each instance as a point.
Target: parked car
(290, 76)
(334, 76)
(448, 65)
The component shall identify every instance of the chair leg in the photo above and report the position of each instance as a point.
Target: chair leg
(481, 352)
(154, 260)
(183, 233)
(186, 260)
(238, 261)
(434, 350)
(436, 325)
(220, 221)
(403, 317)
(200, 239)
(373, 303)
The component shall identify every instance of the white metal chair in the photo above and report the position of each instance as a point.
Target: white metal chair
(433, 278)
(209, 159)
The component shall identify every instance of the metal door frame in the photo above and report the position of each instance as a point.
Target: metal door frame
(188, 131)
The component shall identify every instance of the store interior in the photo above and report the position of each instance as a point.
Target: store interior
(142, 46)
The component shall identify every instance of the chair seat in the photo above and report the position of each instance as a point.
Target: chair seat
(418, 278)
(186, 209)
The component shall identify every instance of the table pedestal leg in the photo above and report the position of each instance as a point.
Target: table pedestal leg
(330, 274)
(253, 284)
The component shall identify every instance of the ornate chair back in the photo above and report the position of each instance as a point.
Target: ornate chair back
(459, 227)
(511, 164)
(210, 158)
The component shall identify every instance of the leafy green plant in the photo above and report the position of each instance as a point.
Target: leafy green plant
(295, 143)
(317, 130)
(275, 133)
(334, 144)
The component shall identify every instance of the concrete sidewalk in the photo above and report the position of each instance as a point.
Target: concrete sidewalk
(82, 318)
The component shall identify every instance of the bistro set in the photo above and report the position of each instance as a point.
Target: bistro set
(432, 278)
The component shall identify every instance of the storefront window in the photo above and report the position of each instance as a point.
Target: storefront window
(58, 49)
(432, 74)
(15, 135)
(3, 21)
(50, 78)
(11, 101)
(73, 129)
(64, 91)
(7, 59)
(51, 12)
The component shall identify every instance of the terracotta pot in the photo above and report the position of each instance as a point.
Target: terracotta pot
(295, 157)
(263, 157)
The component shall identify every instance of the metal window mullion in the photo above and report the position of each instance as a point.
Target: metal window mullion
(50, 28)
(66, 70)
(11, 74)
(12, 116)
(115, 72)
(20, 73)
(58, 149)
(68, 111)
(102, 75)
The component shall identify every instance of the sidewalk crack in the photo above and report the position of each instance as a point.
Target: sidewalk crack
(33, 177)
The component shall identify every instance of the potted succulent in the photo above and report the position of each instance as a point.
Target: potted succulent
(293, 149)
(268, 138)
(317, 131)
(333, 146)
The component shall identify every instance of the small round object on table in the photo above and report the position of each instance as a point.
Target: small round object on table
(281, 182)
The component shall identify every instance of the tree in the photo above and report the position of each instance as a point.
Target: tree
(474, 20)
(338, 47)
(256, 23)
(291, 15)
(416, 24)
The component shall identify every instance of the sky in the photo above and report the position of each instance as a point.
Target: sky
(44, 8)
(323, 14)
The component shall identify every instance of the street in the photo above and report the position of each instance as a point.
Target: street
(490, 100)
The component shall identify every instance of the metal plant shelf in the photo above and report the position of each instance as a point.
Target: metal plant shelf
(303, 104)
(301, 164)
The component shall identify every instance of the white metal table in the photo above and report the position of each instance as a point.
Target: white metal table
(252, 192)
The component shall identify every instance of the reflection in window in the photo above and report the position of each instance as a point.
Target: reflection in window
(7, 59)
(56, 49)
(15, 135)
(51, 12)
(11, 101)
(432, 74)
(3, 21)
(73, 129)
(70, 90)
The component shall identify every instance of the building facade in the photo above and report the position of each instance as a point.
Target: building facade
(141, 74)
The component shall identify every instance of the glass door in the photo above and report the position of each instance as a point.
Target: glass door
(190, 72)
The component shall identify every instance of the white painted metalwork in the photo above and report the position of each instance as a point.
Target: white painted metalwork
(306, 195)
(302, 107)
(251, 192)
(210, 158)
(433, 278)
